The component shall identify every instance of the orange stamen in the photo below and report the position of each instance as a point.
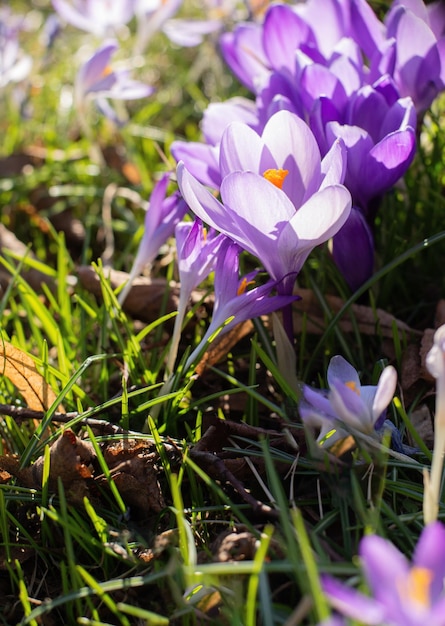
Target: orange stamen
(276, 177)
(243, 286)
(107, 71)
(352, 385)
(417, 586)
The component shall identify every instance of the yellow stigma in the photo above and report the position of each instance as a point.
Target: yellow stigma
(352, 385)
(276, 177)
(417, 586)
(204, 233)
(243, 286)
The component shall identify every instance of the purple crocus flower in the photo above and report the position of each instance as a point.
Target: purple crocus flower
(14, 64)
(347, 402)
(151, 16)
(236, 300)
(284, 203)
(97, 81)
(402, 593)
(197, 251)
(163, 213)
(101, 17)
(409, 46)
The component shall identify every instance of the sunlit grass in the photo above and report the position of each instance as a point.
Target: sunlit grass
(97, 560)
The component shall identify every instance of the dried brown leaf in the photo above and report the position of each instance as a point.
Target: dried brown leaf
(219, 348)
(21, 370)
(146, 297)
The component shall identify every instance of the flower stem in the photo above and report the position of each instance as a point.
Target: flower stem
(432, 481)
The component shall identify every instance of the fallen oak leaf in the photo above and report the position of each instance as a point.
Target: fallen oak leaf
(21, 370)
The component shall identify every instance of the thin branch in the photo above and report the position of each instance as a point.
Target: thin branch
(19, 413)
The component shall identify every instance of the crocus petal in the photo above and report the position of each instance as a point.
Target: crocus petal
(436, 615)
(384, 565)
(319, 401)
(369, 107)
(348, 72)
(200, 159)
(436, 17)
(258, 229)
(278, 92)
(95, 67)
(400, 116)
(412, 34)
(283, 32)
(353, 250)
(353, 604)
(389, 160)
(250, 196)
(318, 81)
(244, 54)
(226, 276)
(95, 17)
(189, 33)
(203, 204)
(323, 424)
(385, 391)
(349, 407)
(69, 14)
(127, 89)
(340, 369)
(435, 359)
(333, 166)
(321, 216)
(294, 148)
(323, 112)
(330, 29)
(368, 29)
(242, 149)
(218, 115)
(429, 553)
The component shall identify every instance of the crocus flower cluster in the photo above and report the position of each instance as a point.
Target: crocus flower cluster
(347, 406)
(347, 76)
(402, 593)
